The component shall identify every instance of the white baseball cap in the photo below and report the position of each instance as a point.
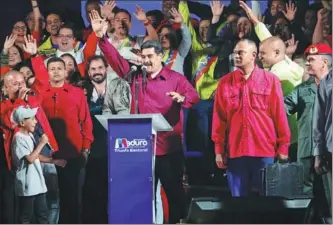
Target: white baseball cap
(21, 113)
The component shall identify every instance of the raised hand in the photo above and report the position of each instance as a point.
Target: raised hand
(177, 18)
(252, 17)
(290, 11)
(30, 45)
(107, 9)
(9, 42)
(98, 24)
(217, 8)
(291, 45)
(140, 14)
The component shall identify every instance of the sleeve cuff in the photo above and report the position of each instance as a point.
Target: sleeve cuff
(219, 148)
(283, 150)
(86, 144)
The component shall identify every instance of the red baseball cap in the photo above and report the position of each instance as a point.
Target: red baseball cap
(318, 49)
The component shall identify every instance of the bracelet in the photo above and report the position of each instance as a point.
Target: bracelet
(147, 23)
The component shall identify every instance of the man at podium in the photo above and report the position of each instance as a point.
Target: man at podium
(156, 89)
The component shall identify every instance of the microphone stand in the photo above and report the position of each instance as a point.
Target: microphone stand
(136, 95)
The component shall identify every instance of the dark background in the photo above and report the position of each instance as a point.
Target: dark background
(15, 10)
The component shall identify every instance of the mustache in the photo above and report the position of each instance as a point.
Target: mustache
(98, 74)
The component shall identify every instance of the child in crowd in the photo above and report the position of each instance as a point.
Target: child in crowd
(30, 185)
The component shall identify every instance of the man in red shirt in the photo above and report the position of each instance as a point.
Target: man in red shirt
(17, 94)
(160, 91)
(67, 110)
(249, 121)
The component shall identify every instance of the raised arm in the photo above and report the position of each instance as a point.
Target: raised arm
(111, 54)
(141, 16)
(185, 44)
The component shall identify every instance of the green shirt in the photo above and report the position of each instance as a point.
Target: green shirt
(301, 101)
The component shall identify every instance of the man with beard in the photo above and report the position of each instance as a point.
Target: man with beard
(108, 95)
(162, 91)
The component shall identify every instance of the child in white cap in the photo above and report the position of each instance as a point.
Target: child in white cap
(30, 185)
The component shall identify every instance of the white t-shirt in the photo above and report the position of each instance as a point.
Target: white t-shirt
(29, 180)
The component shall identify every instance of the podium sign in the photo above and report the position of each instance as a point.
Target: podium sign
(131, 184)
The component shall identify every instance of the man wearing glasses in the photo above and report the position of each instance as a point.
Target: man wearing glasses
(250, 125)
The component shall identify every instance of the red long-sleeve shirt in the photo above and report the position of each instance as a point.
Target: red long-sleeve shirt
(153, 99)
(249, 117)
(68, 113)
(7, 107)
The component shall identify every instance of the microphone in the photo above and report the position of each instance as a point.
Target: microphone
(130, 73)
(40, 132)
(144, 74)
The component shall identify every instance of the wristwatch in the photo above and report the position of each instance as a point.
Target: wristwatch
(85, 151)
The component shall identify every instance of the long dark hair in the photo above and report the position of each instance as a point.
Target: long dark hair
(173, 36)
(74, 77)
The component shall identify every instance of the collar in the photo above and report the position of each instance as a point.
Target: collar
(239, 75)
(65, 87)
(163, 74)
(60, 53)
(273, 68)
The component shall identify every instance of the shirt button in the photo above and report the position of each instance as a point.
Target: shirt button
(244, 126)
(245, 94)
(244, 105)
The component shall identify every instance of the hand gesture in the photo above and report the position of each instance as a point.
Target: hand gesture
(249, 13)
(221, 161)
(22, 94)
(176, 97)
(217, 8)
(140, 14)
(320, 165)
(9, 42)
(177, 17)
(44, 139)
(59, 162)
(290, 11)
(30, 45)
(322, 15)
(98, 24)
(283, 158)
(107, 9)
(291, 45)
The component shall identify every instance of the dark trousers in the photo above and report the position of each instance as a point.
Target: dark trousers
(243, 174)
(7, 196)
(33, 207)
(169, 170)
(69, 181)
(327, 182)
(95, 192)
(309, 174)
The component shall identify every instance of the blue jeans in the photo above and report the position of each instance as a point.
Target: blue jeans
(243, 174)
(52, 195)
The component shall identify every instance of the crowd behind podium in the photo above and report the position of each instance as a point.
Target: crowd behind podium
(243, 88)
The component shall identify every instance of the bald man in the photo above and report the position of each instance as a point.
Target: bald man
(17, 94)
(249, 121)
(272, 53)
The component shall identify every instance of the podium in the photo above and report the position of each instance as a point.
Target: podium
(131, 160)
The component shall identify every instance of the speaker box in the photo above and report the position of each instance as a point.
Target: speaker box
(248, 210)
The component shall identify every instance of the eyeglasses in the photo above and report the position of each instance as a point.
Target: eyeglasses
(164, 36)
(18, 28)
(65, 36)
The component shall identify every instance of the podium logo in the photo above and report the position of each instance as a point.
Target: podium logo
(124, 143)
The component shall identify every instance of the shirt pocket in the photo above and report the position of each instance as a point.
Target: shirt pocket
(260, 98)
(232, 98)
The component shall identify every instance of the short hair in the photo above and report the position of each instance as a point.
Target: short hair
(249, 42)
(54, 13)
(123, 11)
(55, 59)
(329, 60)
(69, 26)
(94, 58)
(153, 44)
(159, 16)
